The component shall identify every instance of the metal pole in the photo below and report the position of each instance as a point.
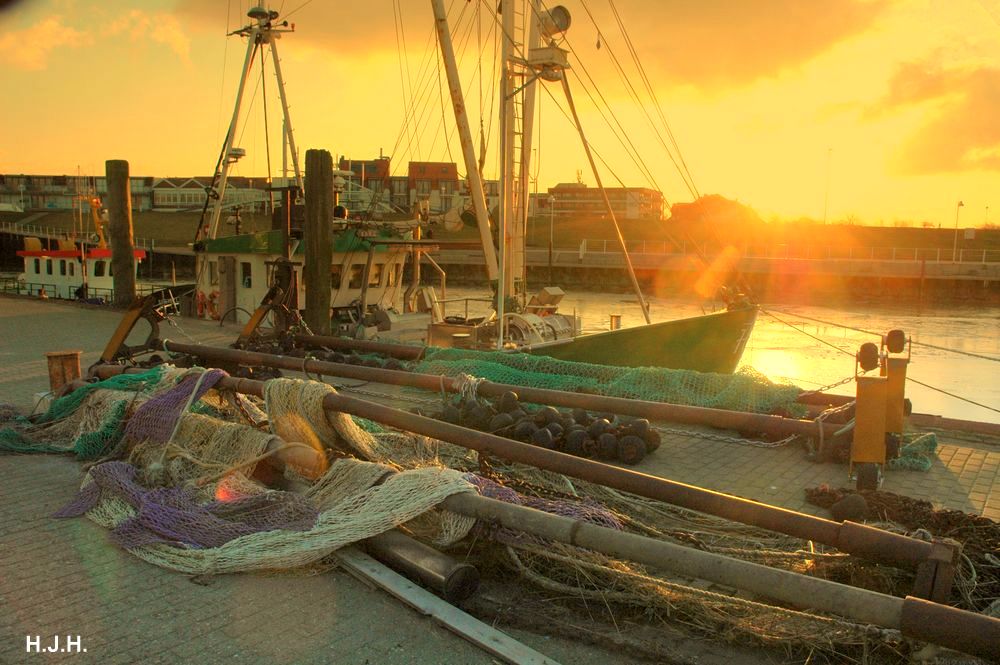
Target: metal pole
(954, 247)
(284, 109)
(965, 631)
(848, 537)
(465, 137)
(593, 167)
(252, 43)
(552, 224)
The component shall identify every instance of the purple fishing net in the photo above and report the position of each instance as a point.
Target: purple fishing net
(173, 515)
(585, 510)
(155, 420)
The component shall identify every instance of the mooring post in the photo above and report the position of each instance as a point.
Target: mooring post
(120, 229)
(318, 239)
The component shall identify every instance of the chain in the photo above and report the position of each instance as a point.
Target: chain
(828, 387)
(176, 325)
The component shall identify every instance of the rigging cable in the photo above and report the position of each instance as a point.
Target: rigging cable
(870, 332)
(652, 94)
(958, 397)
(622, 138)
(908, 378)
(403, 72)
(633, 93)
(296, 9)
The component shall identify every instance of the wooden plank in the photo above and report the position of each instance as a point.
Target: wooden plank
(486, 637)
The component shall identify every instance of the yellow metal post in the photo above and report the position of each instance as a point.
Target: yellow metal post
(868, 445)
(895, 374)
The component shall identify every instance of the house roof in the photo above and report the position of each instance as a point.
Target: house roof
(272, 242)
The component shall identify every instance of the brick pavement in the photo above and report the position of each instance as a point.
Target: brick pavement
(63, 577)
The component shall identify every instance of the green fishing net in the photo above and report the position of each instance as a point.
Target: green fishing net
(89, 440)
(746, 390)
(917, 453)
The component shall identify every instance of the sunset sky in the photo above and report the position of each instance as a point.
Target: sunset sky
(893, 103)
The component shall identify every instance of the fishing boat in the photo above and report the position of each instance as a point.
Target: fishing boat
(530, 56)
(235, 273)
(68, 270)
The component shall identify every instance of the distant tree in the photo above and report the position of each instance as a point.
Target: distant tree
(927, 225)
(716, 215)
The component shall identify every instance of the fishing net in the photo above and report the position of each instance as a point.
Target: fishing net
(171, 529)
(88, 422)
(978, 583)
(917, 452)
(746, 390)
(190, 495)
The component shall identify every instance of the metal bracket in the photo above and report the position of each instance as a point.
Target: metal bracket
(936, 574)
(142, 308)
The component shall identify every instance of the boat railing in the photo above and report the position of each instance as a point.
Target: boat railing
(800, 251)
(13, 285)
(17, 287)
(465, 301)
(56, 233)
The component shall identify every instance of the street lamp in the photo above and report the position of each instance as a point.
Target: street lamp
(552, 218)
(954, 247)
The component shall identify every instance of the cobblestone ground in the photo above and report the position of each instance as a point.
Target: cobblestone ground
(63, 577)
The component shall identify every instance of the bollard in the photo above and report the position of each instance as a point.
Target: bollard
(64, 366)
(616, 321)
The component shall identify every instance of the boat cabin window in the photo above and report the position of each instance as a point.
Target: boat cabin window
(375, 277)
(98, 268)
(357, 271)
(111, 269)
(72, 268)
(62, 266)
(213, 272)
(38, 266)
(48, 266)
(335, 277)
(246, 275)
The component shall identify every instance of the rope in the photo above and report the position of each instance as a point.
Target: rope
(818, 339)
(187, 405)
(958, 397)
(870, 332)
(467, 385)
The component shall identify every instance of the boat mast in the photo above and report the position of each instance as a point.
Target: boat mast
(262, 31)
(465, 136)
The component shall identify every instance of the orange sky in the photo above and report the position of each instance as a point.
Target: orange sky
(895, 101)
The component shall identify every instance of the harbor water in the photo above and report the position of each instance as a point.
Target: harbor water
(813, 346)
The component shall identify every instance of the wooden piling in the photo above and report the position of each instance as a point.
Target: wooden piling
(119, 204)
(318, 239)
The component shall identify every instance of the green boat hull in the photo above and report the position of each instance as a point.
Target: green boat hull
(708, 343)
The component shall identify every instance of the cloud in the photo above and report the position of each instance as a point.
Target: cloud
(30, 48)
(161, 27)
(706, 43)
(962, 133)
(715, 43)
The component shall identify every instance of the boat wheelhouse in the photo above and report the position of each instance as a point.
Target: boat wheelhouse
(366, 272)
(61, 271)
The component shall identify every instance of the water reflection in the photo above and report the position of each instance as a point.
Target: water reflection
(819, 350)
